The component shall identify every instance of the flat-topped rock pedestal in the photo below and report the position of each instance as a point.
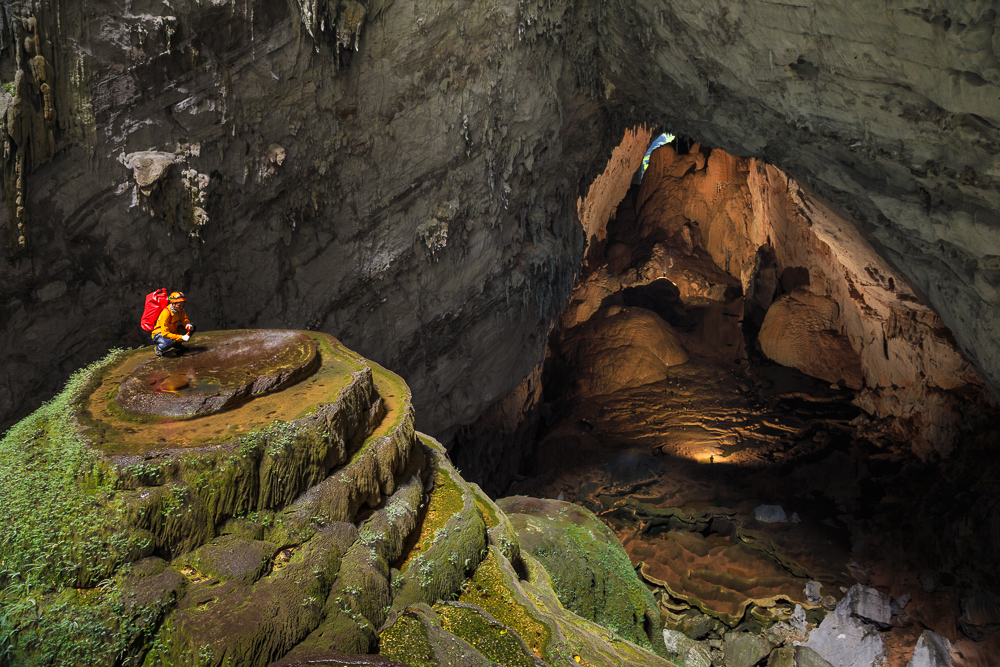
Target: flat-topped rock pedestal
(220, 370)
(226, 386)
(265, 496)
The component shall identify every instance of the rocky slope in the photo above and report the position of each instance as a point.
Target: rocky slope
(311, 524)
(308, 523)
(406, 176)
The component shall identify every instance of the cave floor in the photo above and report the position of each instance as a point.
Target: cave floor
(678, 468)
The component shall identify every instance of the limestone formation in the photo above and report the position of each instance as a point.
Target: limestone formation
(932, 650)
(867, 604)
(427, 211)
(307, 523)
(801, 331)
(590, 573)
(622, 348)
(743, 649)
(845, 641)
(148, 167)
(226, 370)
(386, 110)
(608, 189)
(762, 228)
(687, 651)
(325, 238)
(720, 578)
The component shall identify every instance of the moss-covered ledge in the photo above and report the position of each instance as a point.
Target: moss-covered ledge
(590, 572)
(310, 522)
(91, 487)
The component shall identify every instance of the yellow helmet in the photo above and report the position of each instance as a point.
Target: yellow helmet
(177, 297)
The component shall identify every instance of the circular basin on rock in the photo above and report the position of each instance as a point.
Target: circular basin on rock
(124, 432)
(220, 370)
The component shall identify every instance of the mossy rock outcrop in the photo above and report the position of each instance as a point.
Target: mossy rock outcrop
(590, 572)
(504, 617)
(284, 509)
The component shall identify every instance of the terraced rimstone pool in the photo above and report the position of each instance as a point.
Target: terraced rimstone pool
(230, 384)
(221, 369)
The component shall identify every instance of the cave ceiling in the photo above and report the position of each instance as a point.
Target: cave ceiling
(405, 176)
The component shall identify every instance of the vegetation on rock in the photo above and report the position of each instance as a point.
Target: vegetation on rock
(331, 526)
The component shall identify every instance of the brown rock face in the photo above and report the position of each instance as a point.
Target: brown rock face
(607, 190)
(800, 330)
(715, 574)
(765, 230)
(622, 348)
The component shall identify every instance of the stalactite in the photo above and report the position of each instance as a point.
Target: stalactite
(340, 20)
(27, 119)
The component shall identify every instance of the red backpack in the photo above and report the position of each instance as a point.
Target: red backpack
(155, 303)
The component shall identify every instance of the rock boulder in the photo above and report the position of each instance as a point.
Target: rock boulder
(802, 330)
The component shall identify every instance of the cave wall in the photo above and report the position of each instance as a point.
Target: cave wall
(412, 192)
(405, 175)
(777, 237)
(890, 110)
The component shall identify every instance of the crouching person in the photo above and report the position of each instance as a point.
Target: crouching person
(172, 319)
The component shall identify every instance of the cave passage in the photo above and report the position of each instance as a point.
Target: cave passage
(731, 479)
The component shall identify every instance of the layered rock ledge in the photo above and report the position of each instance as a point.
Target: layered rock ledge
(308, 524)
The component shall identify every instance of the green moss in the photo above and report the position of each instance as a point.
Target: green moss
(488, 589)
(491, 638)
(72, 518)
(373, 468)
(89, 627)
(52, 536)
(499, 527)
(446, 501)
(590, 572)
(407, 642)
(64, 525)
(243, 615)
(486, 508)
(452, 541)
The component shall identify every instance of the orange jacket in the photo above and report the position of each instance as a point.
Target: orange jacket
(167, 323)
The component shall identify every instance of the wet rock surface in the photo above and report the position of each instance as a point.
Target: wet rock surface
(218, 370)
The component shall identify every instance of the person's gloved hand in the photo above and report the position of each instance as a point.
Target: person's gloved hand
(190, 328)
(186, 337)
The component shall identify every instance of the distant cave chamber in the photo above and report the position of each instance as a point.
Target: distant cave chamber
(733, 343)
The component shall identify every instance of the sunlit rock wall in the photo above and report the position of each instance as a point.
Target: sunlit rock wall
(776, 237)
(610, 187)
